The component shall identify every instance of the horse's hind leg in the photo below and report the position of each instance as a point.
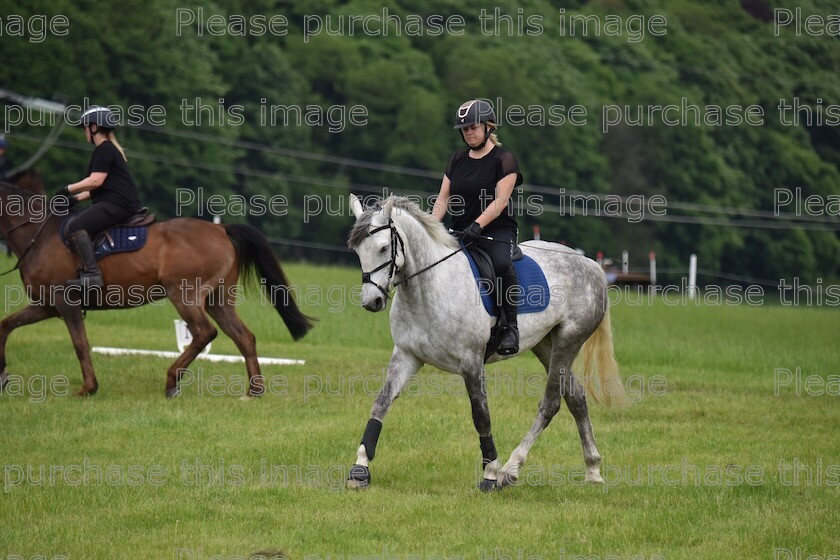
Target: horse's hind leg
(26, 316)
(202, 331)
(575, 396)
(230, 323)
(557, 357)
(548, 407)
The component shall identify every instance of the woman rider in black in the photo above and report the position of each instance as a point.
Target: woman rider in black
(109, 185)
(476, 190)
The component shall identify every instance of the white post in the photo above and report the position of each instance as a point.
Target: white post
(217, 219)
(692, 276)
(652, 257)
(536, 233)
(625, 262)
(599, 258)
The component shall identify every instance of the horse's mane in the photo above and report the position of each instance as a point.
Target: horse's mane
(400, 204)
(14, 189)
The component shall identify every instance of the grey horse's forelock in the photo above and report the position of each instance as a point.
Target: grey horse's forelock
(400, 203)
(360, 230)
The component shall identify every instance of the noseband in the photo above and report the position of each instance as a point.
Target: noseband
(396, 244)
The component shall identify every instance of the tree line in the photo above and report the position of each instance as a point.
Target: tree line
(723, 113)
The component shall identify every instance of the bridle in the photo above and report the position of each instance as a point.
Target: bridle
(397, 243)
(32, 241)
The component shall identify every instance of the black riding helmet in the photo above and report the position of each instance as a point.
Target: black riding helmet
(475, 111)
(100, 116)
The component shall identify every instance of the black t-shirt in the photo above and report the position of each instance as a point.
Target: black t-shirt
(473, 186)
(119, 187)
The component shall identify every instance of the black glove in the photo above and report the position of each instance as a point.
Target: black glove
(63, 198)
(472, 233)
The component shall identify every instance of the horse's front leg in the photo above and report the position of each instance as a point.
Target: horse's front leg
(26, 316)
(474, 381)
(401, 368)
(75, 322)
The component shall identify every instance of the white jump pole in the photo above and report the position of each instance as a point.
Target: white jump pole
(625, 262)
(183, 337)
(692, 276)
(208, 357)
(536, 233)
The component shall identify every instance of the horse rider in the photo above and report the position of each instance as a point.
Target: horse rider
(108, 185)
(476, 189)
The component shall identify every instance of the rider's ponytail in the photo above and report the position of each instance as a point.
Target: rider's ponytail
(493, 138)
(113, 139)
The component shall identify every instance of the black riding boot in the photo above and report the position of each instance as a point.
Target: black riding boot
(510, 331)
(89, 275)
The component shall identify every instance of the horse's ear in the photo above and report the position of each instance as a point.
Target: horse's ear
(356, 205)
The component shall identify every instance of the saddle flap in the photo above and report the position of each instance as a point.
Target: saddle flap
(530, 277)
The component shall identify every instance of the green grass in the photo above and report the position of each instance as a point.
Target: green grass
(714, 411)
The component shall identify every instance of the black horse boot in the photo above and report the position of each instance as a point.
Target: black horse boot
(510, 332)
(89, 275)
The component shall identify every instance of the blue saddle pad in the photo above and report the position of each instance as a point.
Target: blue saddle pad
(534, 296)
(125, 239)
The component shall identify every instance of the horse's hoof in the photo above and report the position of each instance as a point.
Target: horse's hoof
(358, 478)
(256, 388)
(488, 485)
(86, 392)
(506, 480)
(173, 392)
(4, 380)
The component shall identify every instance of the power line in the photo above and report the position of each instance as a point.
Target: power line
(400, 170)
(408, 171)
(255, 146)
(578, 211)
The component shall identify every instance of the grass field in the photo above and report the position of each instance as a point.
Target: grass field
(722, 456)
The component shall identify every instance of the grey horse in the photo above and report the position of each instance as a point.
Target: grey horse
(437, 318)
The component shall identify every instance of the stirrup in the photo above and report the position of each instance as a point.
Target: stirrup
(509, 343)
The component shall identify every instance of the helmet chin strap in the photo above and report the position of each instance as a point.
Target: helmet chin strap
(93, 134)
(487, 133)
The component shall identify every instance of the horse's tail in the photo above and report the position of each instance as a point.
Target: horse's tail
(255, 254)
(597, 359)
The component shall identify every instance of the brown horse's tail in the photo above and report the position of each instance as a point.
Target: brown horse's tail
(255, 254)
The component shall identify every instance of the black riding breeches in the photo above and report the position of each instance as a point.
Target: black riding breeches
(98, 217)
(500, 249)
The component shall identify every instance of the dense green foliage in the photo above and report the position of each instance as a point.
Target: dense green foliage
(714, 53)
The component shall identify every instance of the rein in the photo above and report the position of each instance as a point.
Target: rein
(31, 242)
(397, 243)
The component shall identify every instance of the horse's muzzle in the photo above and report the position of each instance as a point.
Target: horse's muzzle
(375, 304)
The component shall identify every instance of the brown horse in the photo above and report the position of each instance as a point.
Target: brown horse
(194, 263)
